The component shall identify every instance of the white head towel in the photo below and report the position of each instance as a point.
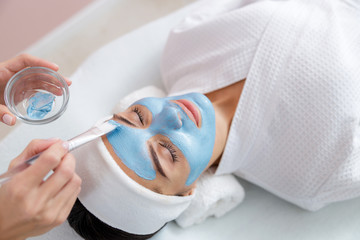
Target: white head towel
(117, 200)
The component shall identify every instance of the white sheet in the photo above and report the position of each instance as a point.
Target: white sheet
(295, 131)
(260, 216)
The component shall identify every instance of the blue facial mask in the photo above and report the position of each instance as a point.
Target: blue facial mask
(196, 144)
(40, 105)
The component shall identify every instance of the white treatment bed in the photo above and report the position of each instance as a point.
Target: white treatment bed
(129, 63)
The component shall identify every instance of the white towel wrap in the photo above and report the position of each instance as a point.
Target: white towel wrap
(215, 196)
(117, 200)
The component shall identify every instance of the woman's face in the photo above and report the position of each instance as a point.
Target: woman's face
(165, 143)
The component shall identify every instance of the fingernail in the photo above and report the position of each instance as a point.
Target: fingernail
(7, 119)
(57, 66)
(65, 145)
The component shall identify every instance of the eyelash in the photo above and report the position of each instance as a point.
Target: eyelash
(171, 150)
(138, 112)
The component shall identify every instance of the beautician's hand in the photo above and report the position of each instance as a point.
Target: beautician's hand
(11, 67)
(30, 206)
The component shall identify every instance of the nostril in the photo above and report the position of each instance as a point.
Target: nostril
(170, 118)
(179, 124)
(174, 122)
(179, 120)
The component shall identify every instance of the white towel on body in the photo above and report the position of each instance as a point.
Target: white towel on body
(296, 130)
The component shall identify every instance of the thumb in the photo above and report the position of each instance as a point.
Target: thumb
(6, 116)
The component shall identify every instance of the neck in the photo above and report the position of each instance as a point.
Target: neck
(224, 101)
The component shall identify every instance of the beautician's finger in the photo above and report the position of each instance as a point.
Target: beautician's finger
(22, 61)
(6, 116)
(61, 176)
(47, 161)
(34, 147)
(25, 60)
(65, 200)
(68, 81)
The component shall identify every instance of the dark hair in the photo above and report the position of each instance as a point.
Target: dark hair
(91, 228)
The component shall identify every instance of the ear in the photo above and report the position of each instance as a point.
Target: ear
(190, 191)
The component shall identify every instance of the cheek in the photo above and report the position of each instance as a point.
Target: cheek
(166, 158)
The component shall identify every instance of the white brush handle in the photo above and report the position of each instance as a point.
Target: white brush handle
(74, 143)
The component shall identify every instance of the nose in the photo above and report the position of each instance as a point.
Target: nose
(170, 118)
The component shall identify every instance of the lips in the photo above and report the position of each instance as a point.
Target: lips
(191, 110)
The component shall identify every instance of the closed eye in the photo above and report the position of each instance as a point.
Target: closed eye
(171, 150)
(156, 161)
(119, 117)
(140, 115)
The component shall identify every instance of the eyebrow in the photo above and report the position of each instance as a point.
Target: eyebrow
(124, 120)
(155, 159)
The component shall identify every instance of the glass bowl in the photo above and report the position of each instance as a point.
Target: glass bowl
(37, 95)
